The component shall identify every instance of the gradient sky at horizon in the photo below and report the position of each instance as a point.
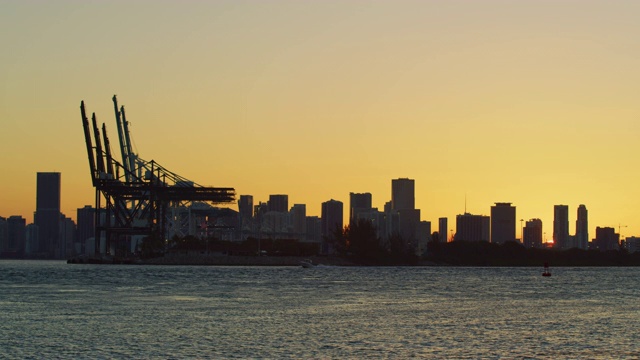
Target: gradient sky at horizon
(529, 102)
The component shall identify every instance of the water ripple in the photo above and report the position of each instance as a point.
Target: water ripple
(55, 310)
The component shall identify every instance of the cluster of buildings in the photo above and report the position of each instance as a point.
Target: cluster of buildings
(53, 235)
(275, 219)
(500, 227)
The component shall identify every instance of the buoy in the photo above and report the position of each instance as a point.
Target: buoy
(546, 271)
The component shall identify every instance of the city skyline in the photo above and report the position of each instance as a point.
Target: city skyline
(530, 103)
(499, 227)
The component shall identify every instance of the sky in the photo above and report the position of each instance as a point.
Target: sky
(529, 102)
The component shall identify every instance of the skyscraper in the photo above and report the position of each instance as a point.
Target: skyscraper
(560, 226)
(402, 194)
(47, 215)
(378, 219)
(67, 237)
(582, 228)
(403, 203)
(472, 227)
(409, 225)
(86, 220)
(532, 233)
(16, 237)
(443, 229)
(279, 203)
(358, 203)
(314, 229)
(3, 234)
(606, 239)
(32, 239)
(245, 207)
(259, 212)
(332, 212)
(331, 219)
(503, 223)
(298, 214)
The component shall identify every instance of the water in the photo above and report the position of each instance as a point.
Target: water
(54, 310)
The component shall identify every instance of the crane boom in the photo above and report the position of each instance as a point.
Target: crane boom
(99, 152)
(123, 147)
(125, 128)
(107, 149)
(87, 139)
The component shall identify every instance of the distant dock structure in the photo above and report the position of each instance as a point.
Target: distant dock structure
(137, 199)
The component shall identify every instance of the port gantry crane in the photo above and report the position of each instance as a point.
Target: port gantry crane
(138, 195)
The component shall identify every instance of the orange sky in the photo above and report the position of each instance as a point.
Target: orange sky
(529, 102)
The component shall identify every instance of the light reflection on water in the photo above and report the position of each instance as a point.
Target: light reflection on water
(55, 310)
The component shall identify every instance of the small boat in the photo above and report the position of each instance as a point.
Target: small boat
(546, 271)
(307, 264)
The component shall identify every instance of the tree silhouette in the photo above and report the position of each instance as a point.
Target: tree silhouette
(363, 241)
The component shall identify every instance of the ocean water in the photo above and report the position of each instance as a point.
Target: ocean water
(52, 310)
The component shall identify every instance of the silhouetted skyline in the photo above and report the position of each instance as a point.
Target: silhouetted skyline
(274, 218)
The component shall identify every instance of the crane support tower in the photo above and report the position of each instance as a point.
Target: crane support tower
(134, 197)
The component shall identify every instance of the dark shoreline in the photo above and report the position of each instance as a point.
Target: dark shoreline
(476, 254)
(239, 260)
(218, 260)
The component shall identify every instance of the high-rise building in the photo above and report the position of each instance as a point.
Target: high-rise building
(259, 213)
(503, 223)
(409, 224)
(67, 237)
(402, 194)
(582, 228)
(299, 220)
(606, 239)
(86, 217)
(388, 207)
(275, 224)
(532, 233)
(377, 219)
(245, 207)
(332, 212)
(279, 203)
(632, 243)
(47, 215)
(314, 229)
(472, 227)
(443, 229)
(423, 237)
(403, 203)
(3, 234)
(392, 220)
(32, 239)
(331, 217)
(358, 202)
(560, 226)
(16, 237)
